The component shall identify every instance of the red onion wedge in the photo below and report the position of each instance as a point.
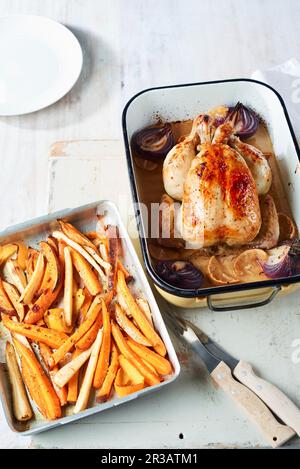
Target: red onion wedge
(283, 261)
(244, 120)
(180, 274)
(153, 142)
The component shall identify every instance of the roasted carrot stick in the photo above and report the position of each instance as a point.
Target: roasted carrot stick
(139, 316)
(150, 377)
(103, 359)
(40, 384)
(82, 329)
(89, 337)
(40, 334)
(104, 392)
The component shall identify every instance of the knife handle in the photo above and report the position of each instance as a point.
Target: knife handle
(274, 432)
(275, 399)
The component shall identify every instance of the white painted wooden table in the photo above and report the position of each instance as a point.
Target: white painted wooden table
(129, 46)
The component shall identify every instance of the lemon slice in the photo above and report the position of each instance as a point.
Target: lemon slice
(287, 228)
(248, 265)
(220, 270)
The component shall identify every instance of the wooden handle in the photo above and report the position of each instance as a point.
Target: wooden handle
(274, 432)
(275, 399)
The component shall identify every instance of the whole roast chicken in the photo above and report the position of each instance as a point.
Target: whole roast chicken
(218, 178)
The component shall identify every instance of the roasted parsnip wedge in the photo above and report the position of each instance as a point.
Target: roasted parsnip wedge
(14, 298)
(78, 302)
(129, 327)
(13, 273)
(5, 304)
(21, 406)
(144, 306)
(73, 382)
(62, 237)
(64, 375)
(75, 235)
(34, 282)
(86, 385)
(46, 354)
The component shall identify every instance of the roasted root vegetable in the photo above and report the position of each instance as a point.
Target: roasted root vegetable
(124, 386)
(52, 262)
(82, 329)
(103, 360)
(86, 273)
(104, 392)
(62, 237)
(44, 302)
(138, 315)
(5, 304)
(73, 300)
(150, 377)
(39, 385)
(14, 298)
(49, 337)
(54, 319)
(21, 406)
(78, 302)
(75, 235)
(7, 251)
(68, 289)
(144, 306)
(161, 364)
(129, 327)
(113, 244)
(65, 373)
(22, 254)
(34, 282)
(86, 385)
(89, 337)
(46, 353)
(73, 382)
(15, 275)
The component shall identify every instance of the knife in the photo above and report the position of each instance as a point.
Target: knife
(249, 391)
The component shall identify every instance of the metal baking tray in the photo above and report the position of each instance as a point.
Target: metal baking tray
(83, 218)
(182, 102)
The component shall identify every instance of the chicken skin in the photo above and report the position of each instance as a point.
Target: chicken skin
(218, 190)
(220, 202)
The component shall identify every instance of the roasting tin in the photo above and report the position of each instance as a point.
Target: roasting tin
(182, 102)
(84, 218)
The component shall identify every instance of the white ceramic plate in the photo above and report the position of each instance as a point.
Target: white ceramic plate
(40, 62)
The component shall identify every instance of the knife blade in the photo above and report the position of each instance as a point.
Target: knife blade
(274, 432)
